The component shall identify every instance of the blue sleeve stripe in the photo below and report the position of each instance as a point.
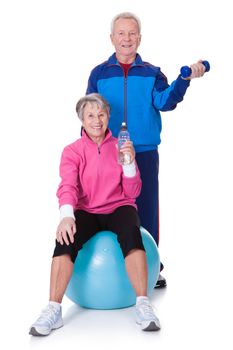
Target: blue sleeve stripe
(162, 98)
(167, 100)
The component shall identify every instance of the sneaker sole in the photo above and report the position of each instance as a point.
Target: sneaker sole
(35, 332)
(160, 284)
(152, 327)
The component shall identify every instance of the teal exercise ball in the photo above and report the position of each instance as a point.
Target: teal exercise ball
(99, 279)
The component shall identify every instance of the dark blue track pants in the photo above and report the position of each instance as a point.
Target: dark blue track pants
(148, 201)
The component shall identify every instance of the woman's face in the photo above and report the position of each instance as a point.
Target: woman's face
(95, 122)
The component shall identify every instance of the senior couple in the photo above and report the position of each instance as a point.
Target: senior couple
(120, 198)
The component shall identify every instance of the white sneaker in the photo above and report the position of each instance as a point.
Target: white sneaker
(145, 316)
(50, 318)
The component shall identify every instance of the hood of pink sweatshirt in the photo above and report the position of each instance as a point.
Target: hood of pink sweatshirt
(92, 179)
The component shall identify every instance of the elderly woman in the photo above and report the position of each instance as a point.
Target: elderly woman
(96, 193)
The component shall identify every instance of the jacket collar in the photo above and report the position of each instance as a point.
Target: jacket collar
(113, 60)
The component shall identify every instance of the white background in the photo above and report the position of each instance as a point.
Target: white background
(47, 51)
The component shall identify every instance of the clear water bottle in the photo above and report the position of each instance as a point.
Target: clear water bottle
(123, 158)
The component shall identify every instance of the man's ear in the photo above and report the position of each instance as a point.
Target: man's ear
(111, 38)
(140, 38)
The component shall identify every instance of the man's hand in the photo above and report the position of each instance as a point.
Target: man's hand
(198, 70)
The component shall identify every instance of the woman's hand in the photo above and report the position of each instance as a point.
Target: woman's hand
(66, 231)
(128, 148)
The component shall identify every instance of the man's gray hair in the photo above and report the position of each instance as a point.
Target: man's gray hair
(92, 98)
(128, 15)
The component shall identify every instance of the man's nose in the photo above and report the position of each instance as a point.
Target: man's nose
(127, 36)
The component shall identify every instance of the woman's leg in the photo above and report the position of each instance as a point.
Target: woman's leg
(136, 267)
(61, 272)
(51, 316)
(124, 221)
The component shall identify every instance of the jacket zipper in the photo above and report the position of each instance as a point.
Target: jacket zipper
(125, 88)
(125, 99)
(125, 91)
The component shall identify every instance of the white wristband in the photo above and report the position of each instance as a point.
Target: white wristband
(66, 210)
(129, 170)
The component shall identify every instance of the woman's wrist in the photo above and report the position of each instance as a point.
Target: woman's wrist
(129, 170)
(66, 210)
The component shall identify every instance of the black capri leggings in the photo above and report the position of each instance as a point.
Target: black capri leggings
(124, 222)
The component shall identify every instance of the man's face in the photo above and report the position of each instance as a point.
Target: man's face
(125, 38)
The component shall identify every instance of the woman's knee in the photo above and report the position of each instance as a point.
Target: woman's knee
(135, 250)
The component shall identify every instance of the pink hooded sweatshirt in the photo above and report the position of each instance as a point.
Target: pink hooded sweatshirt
(91, 178)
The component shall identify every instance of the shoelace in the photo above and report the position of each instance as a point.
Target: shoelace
(147, 310)
(49, 314)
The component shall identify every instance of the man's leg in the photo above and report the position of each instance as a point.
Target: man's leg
(148, 200)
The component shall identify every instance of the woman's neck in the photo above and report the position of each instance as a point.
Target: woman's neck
(97, 140)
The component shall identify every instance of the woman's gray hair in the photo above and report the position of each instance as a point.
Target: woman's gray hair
(92, 98)
(128, 15)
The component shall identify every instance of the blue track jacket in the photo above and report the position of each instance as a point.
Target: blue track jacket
(137, 99)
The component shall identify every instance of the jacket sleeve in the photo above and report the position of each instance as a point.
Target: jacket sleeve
(67, 192)
(132, 185)
(92, 82)
(165, 96)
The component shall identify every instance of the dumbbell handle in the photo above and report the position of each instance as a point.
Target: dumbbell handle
(186, 71)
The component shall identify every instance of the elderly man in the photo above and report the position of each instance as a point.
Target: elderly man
(137, 91)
